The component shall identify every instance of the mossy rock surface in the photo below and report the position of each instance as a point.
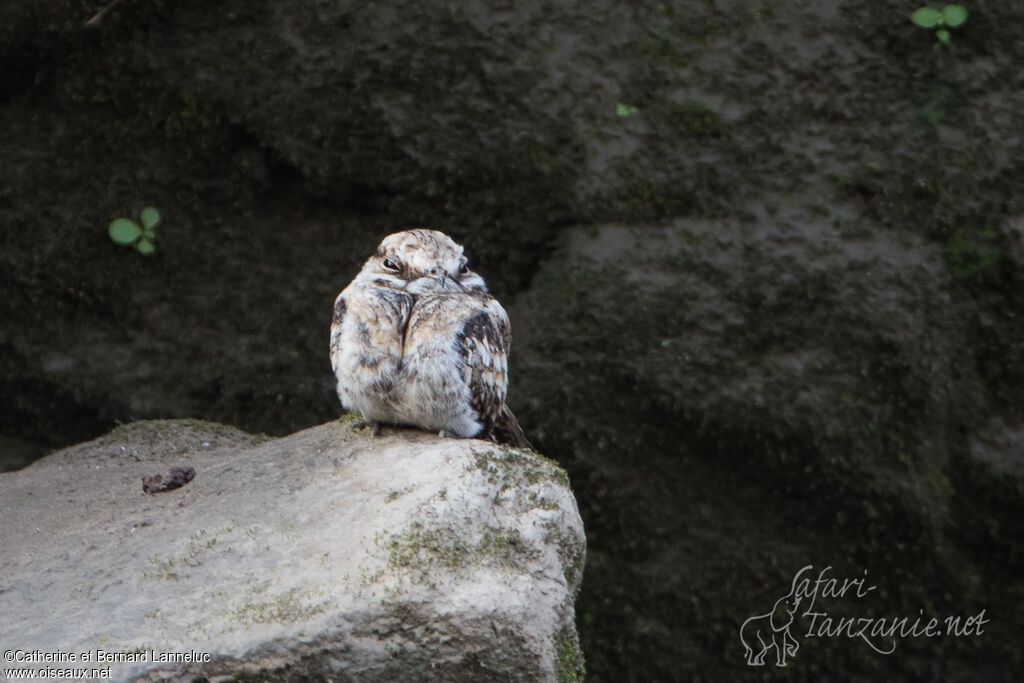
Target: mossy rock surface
(289, 559)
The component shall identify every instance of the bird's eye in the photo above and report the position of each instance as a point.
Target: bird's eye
(390, 265)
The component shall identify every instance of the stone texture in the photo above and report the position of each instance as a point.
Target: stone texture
(798, 389)
(324, 554)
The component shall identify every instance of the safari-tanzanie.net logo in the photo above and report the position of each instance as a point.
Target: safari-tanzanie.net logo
(776, 635)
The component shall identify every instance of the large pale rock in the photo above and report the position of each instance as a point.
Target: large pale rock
(324, 554)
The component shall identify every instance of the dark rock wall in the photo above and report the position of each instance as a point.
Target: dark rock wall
(784, 328)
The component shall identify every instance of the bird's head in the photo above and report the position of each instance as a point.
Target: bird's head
(421, 261)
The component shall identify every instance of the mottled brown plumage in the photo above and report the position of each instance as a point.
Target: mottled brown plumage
(417, 340)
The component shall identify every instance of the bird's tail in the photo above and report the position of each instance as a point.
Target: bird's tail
(507, 430)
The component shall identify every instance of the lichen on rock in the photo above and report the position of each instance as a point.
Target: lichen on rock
(292, 558)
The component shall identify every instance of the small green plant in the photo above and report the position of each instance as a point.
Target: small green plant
(128, 233)
(625, 109)
(951, 16)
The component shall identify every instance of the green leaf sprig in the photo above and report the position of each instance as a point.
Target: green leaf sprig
(625, 109)
(949, 17)
(127, 232)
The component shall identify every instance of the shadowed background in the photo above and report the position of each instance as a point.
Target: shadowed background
(763, 264)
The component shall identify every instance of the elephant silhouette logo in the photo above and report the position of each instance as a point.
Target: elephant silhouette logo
(761, 633)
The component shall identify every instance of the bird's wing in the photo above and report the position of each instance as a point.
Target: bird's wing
(339, 317)
(484, 341)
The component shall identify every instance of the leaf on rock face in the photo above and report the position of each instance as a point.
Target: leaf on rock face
(625, 109)
(150, 217)
(124, 231)
(954, 15)
(145, 247)
(927, 17)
